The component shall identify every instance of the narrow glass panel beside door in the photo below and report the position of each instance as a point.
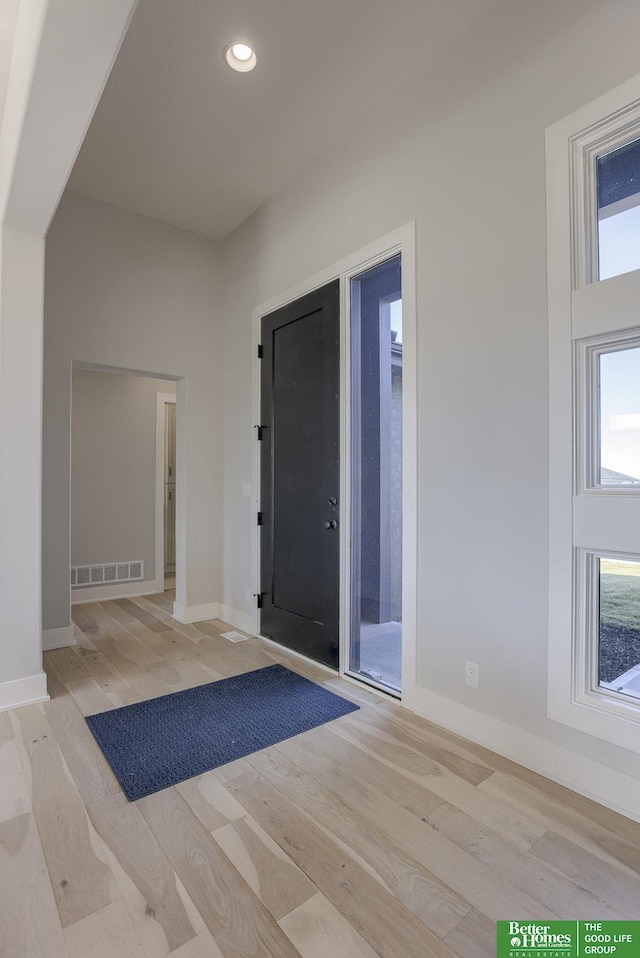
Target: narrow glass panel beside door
(619, 627)
(375, 646)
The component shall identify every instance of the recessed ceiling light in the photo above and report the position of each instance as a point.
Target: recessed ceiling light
(241, 57)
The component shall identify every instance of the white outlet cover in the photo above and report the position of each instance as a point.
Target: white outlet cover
(246, 488)
(471, 674)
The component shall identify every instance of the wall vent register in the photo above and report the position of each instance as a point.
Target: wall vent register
(107, 573)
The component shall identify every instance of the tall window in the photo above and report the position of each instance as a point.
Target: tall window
(593, 176)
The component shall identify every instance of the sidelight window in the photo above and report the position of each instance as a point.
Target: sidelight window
(375, 640)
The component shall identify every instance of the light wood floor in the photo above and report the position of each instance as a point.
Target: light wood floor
(377, 834)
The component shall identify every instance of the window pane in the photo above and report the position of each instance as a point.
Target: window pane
(618, 184)
(619, 652)
(620, 418)
(375, 641)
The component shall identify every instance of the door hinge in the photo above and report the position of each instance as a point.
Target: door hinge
(260, 351)
(259, 518)
(260, 431)
(258, 598)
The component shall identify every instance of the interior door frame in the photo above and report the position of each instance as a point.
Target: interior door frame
(162, 401)
(401, 240)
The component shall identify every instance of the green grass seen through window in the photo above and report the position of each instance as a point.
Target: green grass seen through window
(620, 593)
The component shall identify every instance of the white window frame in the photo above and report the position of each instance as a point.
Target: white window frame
(588, 692)
(587, 389)
(573, 696)
(613, 131)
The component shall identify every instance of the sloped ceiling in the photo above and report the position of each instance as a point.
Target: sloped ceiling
(182, 138)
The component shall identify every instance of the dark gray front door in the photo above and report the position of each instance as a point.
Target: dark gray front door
(300, 475)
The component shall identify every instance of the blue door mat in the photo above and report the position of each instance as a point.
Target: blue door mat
(154, 744)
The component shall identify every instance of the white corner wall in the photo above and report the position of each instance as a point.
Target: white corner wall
(127, 292)
(461, 151)
(62, 54)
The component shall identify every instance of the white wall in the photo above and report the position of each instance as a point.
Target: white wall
(462, 151)
(113, 468)
(8, 19)
(63, 50)
(21, 287)
(128, 292)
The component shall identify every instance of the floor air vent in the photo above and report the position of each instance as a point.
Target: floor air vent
(107, 573)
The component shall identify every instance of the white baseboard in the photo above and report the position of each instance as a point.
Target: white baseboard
(105, 593)
(186, 614)
(58, 638)
(239, 620)
(26, 691)
(613, 789)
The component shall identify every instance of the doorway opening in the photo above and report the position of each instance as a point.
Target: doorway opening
(117, 544)
(375, 629)
(377, 497)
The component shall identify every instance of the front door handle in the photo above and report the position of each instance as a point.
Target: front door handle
(331, 524)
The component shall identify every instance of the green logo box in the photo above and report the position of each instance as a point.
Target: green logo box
(567, 939)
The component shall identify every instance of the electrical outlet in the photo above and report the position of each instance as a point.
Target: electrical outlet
(471, 674)
(247, 594)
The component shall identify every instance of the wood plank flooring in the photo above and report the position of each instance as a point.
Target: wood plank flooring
(375, 835)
